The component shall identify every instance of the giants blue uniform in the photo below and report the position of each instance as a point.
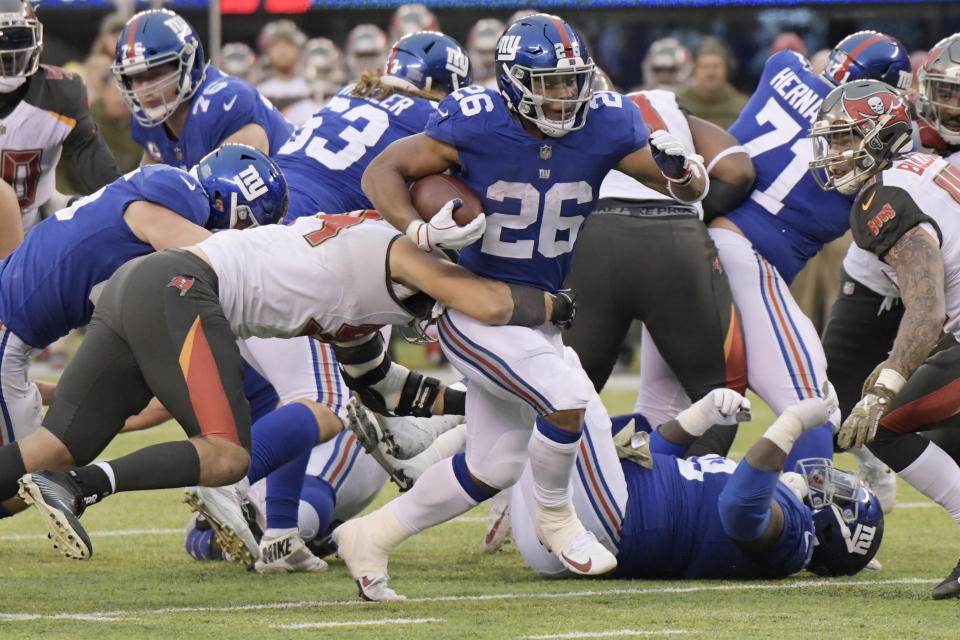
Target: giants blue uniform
(536, 192)
(788, 217)
(325, 158)
(672, 526)
(45, 284)
(220, 107)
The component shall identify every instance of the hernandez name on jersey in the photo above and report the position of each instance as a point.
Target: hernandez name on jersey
(268, 277)
(536, 192)
(50, 117)
(325, 158)
(49, 284)
(918, 189)
(221, 107)
(788, 217)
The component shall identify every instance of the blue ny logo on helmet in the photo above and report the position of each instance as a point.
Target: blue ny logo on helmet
(869, 55)
(545, 73)
(847, 518)
(152, 39)
(245, 187)
(428, 60)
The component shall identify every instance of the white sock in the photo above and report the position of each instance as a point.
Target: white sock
(436, 497)
(552, 464)
(936, 475)
(308, 521)
(273, 534)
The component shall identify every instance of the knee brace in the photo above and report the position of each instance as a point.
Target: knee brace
(383, 385)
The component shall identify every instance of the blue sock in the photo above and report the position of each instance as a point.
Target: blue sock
(283, 493)
(319, 495)
(279, 437)
(816, 443)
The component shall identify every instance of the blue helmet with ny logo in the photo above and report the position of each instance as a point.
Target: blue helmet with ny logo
(869, 55)
(152, 39)
(847, 518)
(545, 73)
(245, 187)
(427, 60)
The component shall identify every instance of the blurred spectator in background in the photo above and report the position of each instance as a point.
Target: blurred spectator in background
(95, 71)
(709, 95)
(410, 18)
(110, 27)
(666, 65)
(366, 49)
(916, 61)
(481, 44)
(520, 13)
(238, 59)
(788, 40)
(325, 72)
(281, 43)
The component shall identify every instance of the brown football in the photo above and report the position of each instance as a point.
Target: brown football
(432, 192)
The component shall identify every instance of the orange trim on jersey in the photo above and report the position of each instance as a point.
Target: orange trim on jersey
(209, 401)
(70, 122)
(925, 410)
(734, 354)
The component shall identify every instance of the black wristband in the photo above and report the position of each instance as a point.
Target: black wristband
(529, 306)
(564, 308)
(454, 402)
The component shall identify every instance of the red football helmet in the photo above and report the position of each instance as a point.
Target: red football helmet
(860, 127)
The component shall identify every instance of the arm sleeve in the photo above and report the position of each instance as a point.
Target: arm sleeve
(93, 162)
(744, 503)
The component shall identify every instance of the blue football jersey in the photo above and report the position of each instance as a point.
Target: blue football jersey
(672, 527)
(535, 191)
(221, 106)
(45, 285)
(325, 158)
(787, 217)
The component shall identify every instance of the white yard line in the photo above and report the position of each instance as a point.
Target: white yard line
(355, 623)
(764, 586)
(610, 634)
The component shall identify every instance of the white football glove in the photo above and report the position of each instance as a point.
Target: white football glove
(671, 157)
(814, 412)
(720, 406)
(442, 232)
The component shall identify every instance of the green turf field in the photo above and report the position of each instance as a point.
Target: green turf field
(140, 584)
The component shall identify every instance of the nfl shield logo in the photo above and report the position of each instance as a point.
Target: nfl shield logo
(546, 151)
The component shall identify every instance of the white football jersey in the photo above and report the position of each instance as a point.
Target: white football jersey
(323, 276)
(917, 189)
(660, 111)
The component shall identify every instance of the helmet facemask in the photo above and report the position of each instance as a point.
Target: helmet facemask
(137, 98)
(21, 40)
(537, 88)
(940, 104)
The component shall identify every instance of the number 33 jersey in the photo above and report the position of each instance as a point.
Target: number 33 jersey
(787, 217)
(325, 158)
(535, 191)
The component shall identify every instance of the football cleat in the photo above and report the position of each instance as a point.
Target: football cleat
(950, 587)
(878, 477)
(498, 522)
(403, 437)
(287, 554)
(223, 508)
(58, 498)
(560, 531)
(366, 561)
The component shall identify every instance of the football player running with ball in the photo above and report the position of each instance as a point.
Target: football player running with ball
(535, 153)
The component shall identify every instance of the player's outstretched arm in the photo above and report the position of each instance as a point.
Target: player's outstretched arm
(11, 222)
(250, 134)
(385, 178)
(748, 512)
(720, 406)
(728, 165)
(489, 301)
(665, 166)
(160, 227)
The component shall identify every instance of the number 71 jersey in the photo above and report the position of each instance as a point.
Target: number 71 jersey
(787, 217)
(536, 192)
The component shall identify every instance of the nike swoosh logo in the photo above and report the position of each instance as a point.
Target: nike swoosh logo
(229, 105)
(365, 581)
(189, 183)
(579, 566)
(866, 205)
(493, 530)
(443, 114)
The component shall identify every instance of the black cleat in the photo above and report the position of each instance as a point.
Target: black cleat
(950, 587)
(59, 500)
